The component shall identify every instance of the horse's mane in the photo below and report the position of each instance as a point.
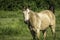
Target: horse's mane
(31, 13)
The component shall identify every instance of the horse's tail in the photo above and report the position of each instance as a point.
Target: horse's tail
(52, 8)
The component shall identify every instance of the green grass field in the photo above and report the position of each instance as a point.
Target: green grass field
(12, 26)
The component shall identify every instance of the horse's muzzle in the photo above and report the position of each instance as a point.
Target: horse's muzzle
(26, 22)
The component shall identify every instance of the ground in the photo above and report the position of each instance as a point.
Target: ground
(12, 26)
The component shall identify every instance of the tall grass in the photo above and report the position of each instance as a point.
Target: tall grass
(12, 26)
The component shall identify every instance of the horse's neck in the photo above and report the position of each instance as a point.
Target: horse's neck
(33, 16)
(31, 13)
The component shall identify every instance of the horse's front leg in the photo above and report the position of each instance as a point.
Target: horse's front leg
(33, 33)
(36, 34)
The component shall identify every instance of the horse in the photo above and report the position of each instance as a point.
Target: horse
(39, 21)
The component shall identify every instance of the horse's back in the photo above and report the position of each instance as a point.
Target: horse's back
(49, 13)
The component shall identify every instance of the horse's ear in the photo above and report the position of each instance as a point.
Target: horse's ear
(24, 8)
(29, 7)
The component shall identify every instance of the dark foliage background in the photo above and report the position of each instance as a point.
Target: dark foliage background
(34, 4)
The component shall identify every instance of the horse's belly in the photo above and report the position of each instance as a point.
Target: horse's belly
(45, 23)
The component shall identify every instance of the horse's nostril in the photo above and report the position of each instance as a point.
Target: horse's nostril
(26, 22)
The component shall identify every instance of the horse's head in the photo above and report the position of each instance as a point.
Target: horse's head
(26, 15)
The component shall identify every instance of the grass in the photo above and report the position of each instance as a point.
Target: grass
(12, 26)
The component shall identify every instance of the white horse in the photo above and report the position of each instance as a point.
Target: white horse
(39, 22)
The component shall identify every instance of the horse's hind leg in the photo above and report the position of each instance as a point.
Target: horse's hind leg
(53, 31)
(44, 33)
